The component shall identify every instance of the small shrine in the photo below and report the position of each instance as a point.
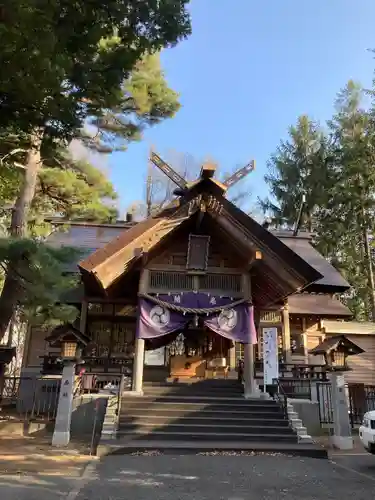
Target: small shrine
(336, 351)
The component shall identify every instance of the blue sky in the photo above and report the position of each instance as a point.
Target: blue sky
(247, 72)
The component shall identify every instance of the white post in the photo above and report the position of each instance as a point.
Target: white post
(342, 434)
(250, 387)
(138, 366)
(61, 434)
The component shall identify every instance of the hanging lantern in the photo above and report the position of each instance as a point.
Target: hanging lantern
(70, 340)
(69, 349)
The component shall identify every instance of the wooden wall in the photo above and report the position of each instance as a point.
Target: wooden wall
(36, 346)
(363, 365)
(220, 255)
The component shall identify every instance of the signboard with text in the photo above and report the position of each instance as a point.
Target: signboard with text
(270, 355)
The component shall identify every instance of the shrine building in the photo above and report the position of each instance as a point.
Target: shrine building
(185, 294)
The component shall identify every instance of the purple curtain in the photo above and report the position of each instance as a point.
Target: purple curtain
(155, 320)
(235, 323)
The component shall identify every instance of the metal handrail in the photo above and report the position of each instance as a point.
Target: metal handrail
(281, 396)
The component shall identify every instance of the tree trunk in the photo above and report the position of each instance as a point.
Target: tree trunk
(369, 266)
(12, 291)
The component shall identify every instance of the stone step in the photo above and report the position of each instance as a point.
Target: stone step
(200, 420)
(192, 398)
(198, 404)
(219, 428)
(178, 411)
(235, 392)
(206, 436)
(128, 446)
(229, 382)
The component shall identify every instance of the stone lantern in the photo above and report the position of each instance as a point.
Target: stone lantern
(336, 351)
(71, 342)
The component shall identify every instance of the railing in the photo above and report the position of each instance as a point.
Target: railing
(296, 371)
(94, 383)
(324, 396)
(360, 398)
(46, 398)
(30, 398)
(296, 388)
(281, 396)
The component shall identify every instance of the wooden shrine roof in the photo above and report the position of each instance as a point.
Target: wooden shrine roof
(282, 271)
(340, 342)
(317, 305)
(102, 243)
(302, 247)
(90, 237)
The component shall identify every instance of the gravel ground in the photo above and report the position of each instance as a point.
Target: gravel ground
(202, 477)
(163, 477)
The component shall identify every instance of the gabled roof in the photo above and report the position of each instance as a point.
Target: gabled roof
(67, 331)
(340, 343)
(109, 262)
(317, 305)
(283, 271)
(90, 237)
(301, 245)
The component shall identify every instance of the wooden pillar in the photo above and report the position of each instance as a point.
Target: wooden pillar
(250, 386)
(286, 334)
(305, 341)
(232, 357)
(139, 354)
(83, 318)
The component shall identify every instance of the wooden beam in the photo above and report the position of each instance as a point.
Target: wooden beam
(286, 334)
(208, 170)
(269, 258)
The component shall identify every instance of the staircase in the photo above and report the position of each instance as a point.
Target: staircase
(203, 416)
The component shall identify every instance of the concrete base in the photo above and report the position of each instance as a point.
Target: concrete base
(131, 394)
(304, 438)
(123, 447)
(60, 438)
(254, 393)
(342, 442)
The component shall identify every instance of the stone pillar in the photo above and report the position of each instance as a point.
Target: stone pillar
(342, 433)
(61, 434)
(286, 334)
(250, 387)
(232, 357)
(139, 356)
(305, 341)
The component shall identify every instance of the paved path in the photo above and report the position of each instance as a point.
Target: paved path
(167, 477)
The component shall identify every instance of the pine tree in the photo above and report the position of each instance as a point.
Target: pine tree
(297, 168)
(66, 62)
(346, 222)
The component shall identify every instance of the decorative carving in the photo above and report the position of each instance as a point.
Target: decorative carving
(197, 252)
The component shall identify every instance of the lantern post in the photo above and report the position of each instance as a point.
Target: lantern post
(71, 341)
(336, 351)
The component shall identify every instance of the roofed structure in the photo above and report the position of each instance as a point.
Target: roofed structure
(278, 274)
